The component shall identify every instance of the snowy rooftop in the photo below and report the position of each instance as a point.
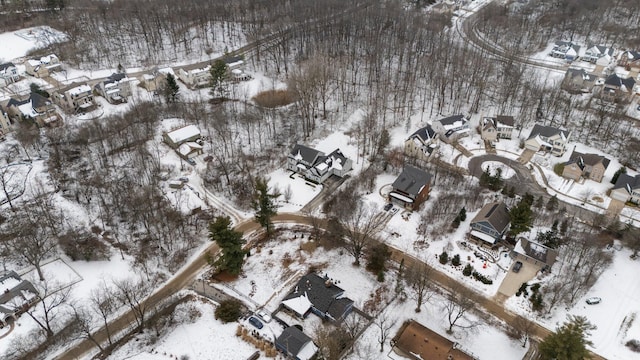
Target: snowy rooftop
(79, 90)
(183, 133)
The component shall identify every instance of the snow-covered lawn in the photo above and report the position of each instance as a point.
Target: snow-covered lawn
(17, 44)
(493, 166)
(301, 191)
(202, 337)
(12, 181)
(615, 317)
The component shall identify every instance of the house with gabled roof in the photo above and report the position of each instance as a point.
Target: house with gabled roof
(499, 127)
(195, 78)
(179, 136)
(452, 128)
(565, 50)
(43, 67)
(595, 52)
(8, 74)
(548, 139)
(416, 342)
(315, 166)
(588, 166)
(74, 98)
(617, 89)
(318, 295)
(296, 344)
(626, 189)
(115, 89)
(36, 107)
(541, 256)
(491, 223)
(422, 143)
(630, 60)
(578, 80)
(16, 296)
(411, 188)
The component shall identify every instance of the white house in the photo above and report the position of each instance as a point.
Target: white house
(565, 50)
(548, 139)
(8, 74)
(116, 88)
(74, 98)
(43, 67)
(499, 127)
(196, 77)
(314, 165)
(627, 189)
(177, 137)
(595, 52)
(422, 143)
(452, 128)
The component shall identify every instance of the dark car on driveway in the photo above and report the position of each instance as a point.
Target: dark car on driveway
(255, 322)
(517, 266)
(388, 207)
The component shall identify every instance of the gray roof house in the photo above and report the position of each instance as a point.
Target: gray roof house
(617, 89)
(411, 188)
(320, 296)
(499, 127)
(116, 88)
(534, 253)
(452, 128)
(491, 223)
(422, 143)
(16, 296)
(627, 188)
(595, 52)
(565, 50)
(315, 166)
(549, 139)
(578, 80)
(295, 344)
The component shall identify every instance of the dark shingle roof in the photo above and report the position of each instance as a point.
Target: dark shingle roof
(232, 59)
(38, 100)
(587, 159)
(308, 154)
(115, 77)
(411, 180)
(6, 65)
(293, 340)
(496, 214)
(582, 73)
(320, 291)
(615, 80)
(547, 131)
(506, 120)
(452, 119)
(424, 133)
(627, 181)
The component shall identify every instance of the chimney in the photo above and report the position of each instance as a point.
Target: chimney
(328, 283)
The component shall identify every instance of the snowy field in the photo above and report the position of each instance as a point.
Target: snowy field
(17, 44)
(300, 190)
(14, 177)
(615, 316)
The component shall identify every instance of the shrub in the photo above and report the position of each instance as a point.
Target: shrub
(467, 270)
(380, 276)
(536, 302)
(377, 259)
(483, 279)
(522, 290)
(228, 311)
(455, 261)
(633, 345)
(558, 168)
(444, 258)
(83, 246)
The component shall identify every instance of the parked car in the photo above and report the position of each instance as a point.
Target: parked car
(184, 179)
(388, 207)
(517, 266)
(255, 322)
(264, 316)
(593, 300)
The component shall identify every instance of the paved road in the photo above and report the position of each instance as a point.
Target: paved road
(523, 182)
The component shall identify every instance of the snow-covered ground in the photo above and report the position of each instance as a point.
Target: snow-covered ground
(615, 317)
(16, 44)
(300, 190)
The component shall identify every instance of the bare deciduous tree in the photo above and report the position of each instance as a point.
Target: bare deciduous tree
(456, 306)
(384, 322)
(419, 279)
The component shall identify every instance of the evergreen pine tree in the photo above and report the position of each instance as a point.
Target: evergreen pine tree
(616, 175)
(569, 342)
(230, 242)
(171, 89)
(218, 74)
(264, 205)
(552, 204)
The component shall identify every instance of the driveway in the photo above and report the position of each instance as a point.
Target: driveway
(513, 281)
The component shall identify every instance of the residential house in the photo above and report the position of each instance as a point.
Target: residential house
(617, 89)
(318, 295)
(116, 88)
(8, 74)
(296, 344)
(177, 137)
(491, 223)
(588, 166)
(36, 107)
(578, 80)
(16, 296)
(190, 149)
(195, 78)
(422, 143)
(411, 188)
(541, 256)
(5, 124)
(627, 189)
(595, 52)
(630, 60)
(43, 67)
(565, 50)
(499, 127)
(417, 342)
(156, 80)
(452, 128)
(233, 62)
(548, 139)
(315, 166)
(604, 65)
